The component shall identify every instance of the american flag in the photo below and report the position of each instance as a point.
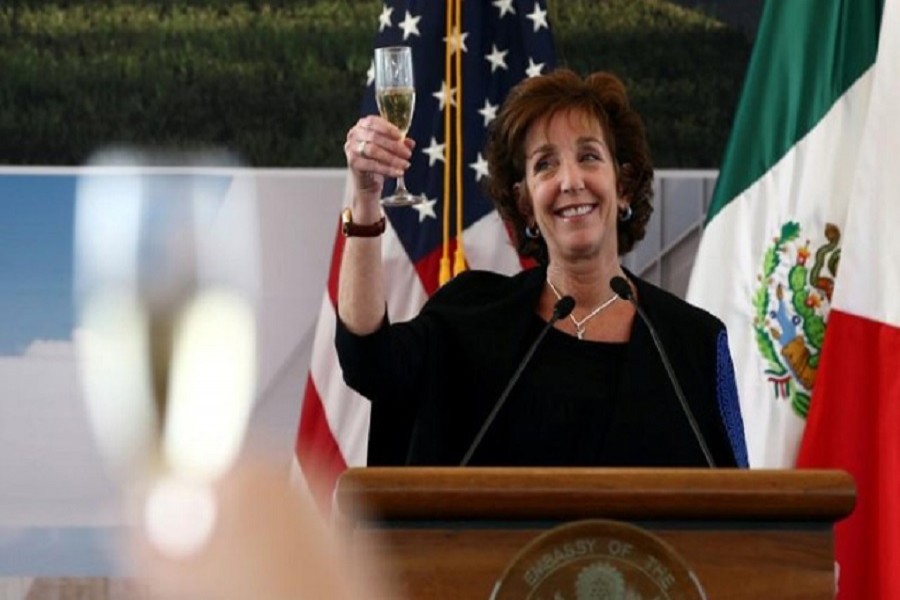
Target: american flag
(502, 42)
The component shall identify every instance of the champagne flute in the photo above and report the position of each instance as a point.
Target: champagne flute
(395, 94)
(166, 276)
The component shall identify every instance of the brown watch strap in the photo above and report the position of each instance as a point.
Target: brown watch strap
(351, 229)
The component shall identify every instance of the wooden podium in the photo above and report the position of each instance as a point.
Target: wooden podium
(746, 534)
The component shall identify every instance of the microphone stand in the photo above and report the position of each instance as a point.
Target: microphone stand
(623, 291)
(561, 310)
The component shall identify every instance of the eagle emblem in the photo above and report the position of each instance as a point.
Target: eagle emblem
(791, 304)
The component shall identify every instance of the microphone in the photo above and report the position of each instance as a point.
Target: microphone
(561, 310)
(623, 291)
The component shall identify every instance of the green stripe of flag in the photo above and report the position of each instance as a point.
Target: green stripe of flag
(796, 74)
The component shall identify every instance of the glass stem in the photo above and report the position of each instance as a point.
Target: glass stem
(401, 187)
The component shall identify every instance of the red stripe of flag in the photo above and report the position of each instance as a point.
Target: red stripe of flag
(317, 451)
(854, 424)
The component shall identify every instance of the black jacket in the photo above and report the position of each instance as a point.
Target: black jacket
(433, 380)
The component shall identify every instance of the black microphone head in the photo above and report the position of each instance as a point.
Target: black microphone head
(620, 286)
(563, 307)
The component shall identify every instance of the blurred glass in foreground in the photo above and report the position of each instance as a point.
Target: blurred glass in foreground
(167, 280)
(166, 286)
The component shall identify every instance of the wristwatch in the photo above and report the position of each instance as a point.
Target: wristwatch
(351, 229)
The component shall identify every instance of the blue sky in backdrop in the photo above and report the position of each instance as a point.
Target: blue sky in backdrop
(37, 213)
(36, 218)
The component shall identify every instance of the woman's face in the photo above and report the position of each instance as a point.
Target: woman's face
(570, 188)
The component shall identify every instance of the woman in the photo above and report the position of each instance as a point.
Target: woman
(571, 174)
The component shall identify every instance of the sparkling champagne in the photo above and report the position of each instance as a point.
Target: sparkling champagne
(396, 105)
(395, 92)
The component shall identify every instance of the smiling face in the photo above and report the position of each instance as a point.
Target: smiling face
(570, 187)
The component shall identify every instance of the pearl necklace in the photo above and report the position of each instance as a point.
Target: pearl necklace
(580, 325)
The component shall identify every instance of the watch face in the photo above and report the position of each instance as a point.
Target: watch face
(598, 559)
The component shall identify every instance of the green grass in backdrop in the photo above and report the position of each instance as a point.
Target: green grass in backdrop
(281, 82)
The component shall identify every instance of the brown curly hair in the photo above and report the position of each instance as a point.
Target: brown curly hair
(601, 95)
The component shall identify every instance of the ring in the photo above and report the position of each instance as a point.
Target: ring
(361, 148)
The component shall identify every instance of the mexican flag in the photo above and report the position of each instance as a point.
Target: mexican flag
(769, 255)
(803, 228)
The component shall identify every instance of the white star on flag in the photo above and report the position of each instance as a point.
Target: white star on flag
(505, 7)
(534, 69)
(426, 209)
(434, 151)
(384, 19)
(456, 40)
(410, 25)
(480, 166)
(539, 18)
(489, 112)
(442, 93)
(497, 58)
(370, 74)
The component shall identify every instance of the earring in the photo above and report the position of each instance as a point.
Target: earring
(532, 232)
(625, 214)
